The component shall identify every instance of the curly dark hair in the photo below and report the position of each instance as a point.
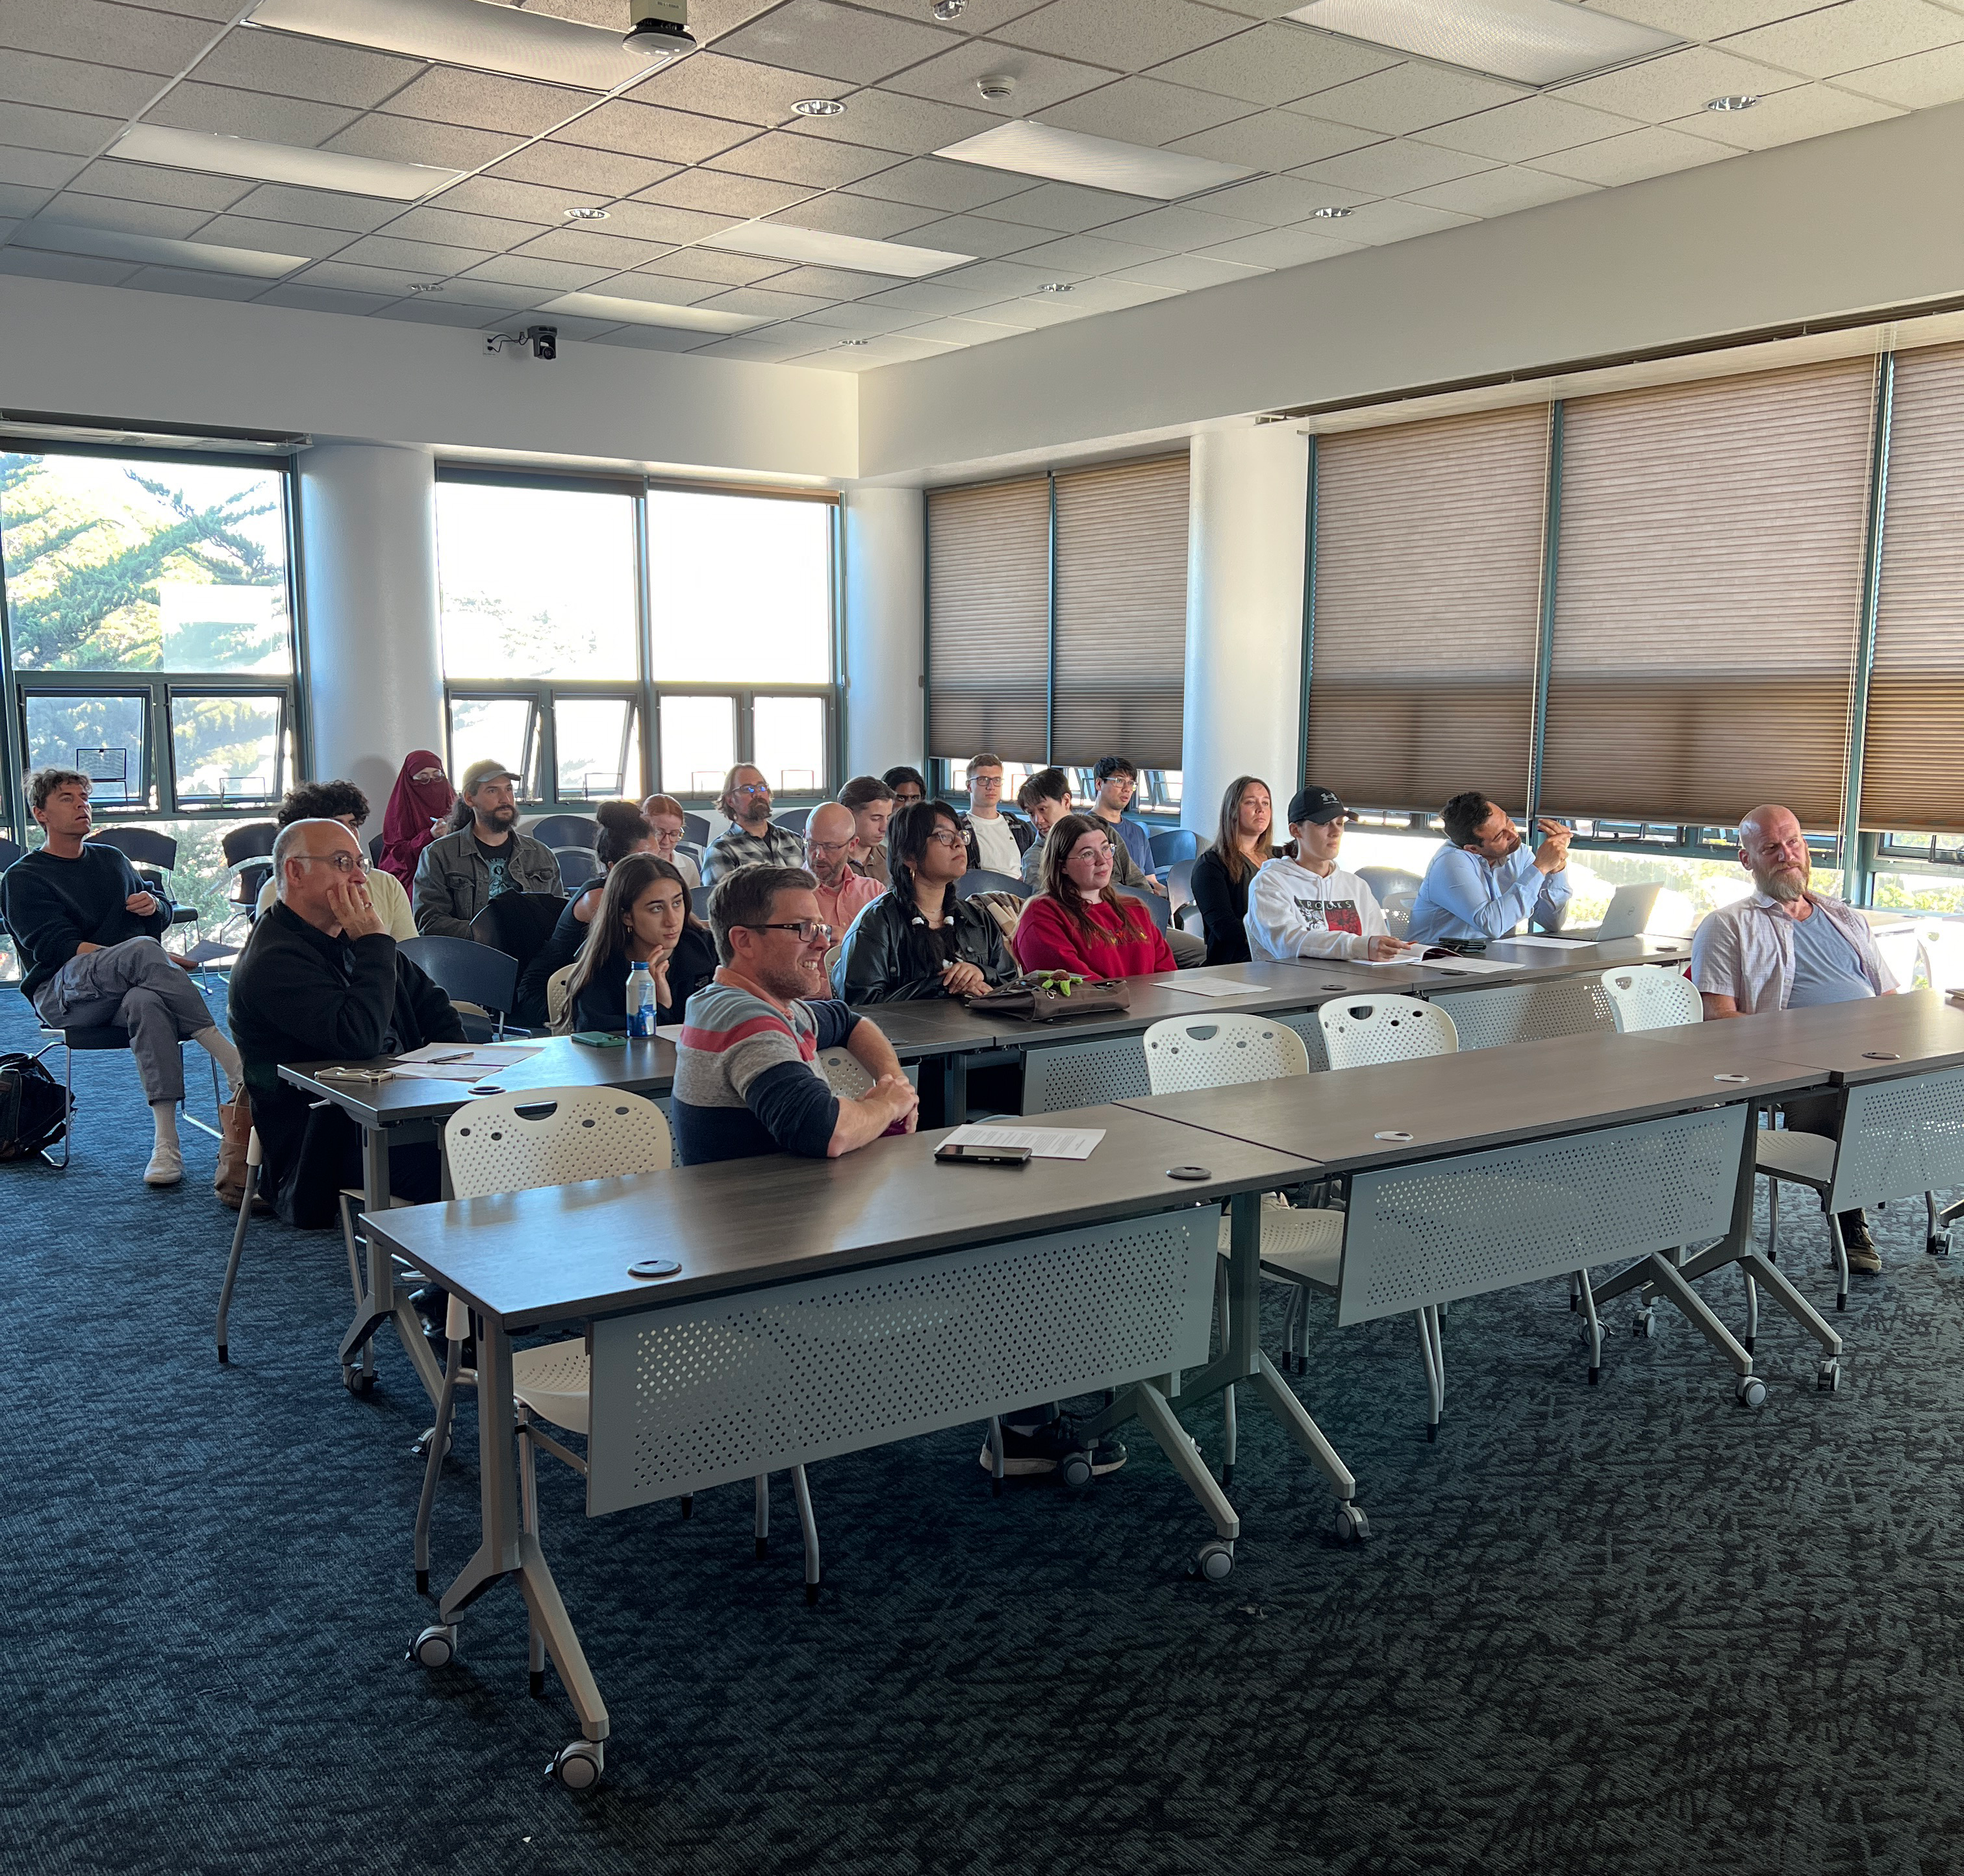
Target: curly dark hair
(320, 801)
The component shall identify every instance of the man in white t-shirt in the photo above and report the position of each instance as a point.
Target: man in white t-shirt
(1308, 906)
(995, 843)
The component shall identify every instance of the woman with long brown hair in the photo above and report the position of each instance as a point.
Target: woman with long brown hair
(1222, 875)
(643, 919)
(1077, 922)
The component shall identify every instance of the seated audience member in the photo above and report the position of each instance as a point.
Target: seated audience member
(320, 980)
(918, 940)
(997, 844)
(624, 830)
(751, 839)
(667, 824)
(871, 802)
(830, 835)
(1077, 922)
(747, 1079)
(1045, 798)
(908, 786)
(1116, 781)
(643, 919)
(1306, 905)
(342, 801)
(460, 872)
(1485, 880)
(419, 809)
(1788, 946)
(87, 927)
(1221, 874)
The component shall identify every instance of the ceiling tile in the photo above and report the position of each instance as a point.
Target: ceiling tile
(307, 298)
(827, 283)
(972, 234)
(841, 42)
(649, 337)
(134, 218)
(125, 35)
(710, 20)
(892, 349)
(197, 9)
(980, 16)
(786, 156)
(193, 284)
(1787, 118)
(1126, 35)
(246, 231)
(1005, 279)
(1709, 19)
(315, 208)
(933, 183)
(660, 289)
(1533, 126)
(1176, 230)
(305, 68)
(410, 140)
(465, 291)
(1040, 81)
(1638, 154)
(1067, 206)
(229, 112)
(394, 283)
(564, 276)
(1188, 272)
(860, 317)
(34, 128)
(1391, 169)
(1411, 97)
(1925, 79)
(714, 193)
(765, 303)
(38, 169)
(654, 221)
(1103, 295)
(632, 130)
(440, 223)
(76, 267)
(1272, 64)
(1500, 192)
(69, 84)
(964, 331)
(1378, 224)
(1677, 84)
(923, 299)
(1051, 310)
(706, 264)
(516, 201)
(1857, 33)
(485, 101)
(1143, 110)
(433, 309)
(1285, 247)
(1276, 139)
(182, 188)
(1277, 200)
(841, 214)
(717, 87)
(910, 127)
(576, 244)
(598, 174)
(427, 260)
(1257, 9)
(1081, 257)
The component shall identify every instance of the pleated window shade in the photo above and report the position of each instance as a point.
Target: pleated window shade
(1427, 609)
(1121, 672)
(1912, 760)
(1707, 600)
(988, 612)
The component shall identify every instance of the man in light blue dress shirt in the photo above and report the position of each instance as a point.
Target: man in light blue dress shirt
(1485, 880)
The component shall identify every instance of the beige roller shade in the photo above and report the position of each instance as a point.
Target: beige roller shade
(1913, 755)
(1709, 598)
(1121, 612)
(988, 619)
(1427, 609)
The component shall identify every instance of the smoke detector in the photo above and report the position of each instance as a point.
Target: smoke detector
(996, 86)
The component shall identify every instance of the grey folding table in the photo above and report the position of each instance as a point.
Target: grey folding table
(1548, 988)
(822, 1306)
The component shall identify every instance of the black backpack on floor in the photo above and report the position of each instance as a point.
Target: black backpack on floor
(34, 1108)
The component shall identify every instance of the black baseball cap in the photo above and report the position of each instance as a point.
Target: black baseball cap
(1316, 807)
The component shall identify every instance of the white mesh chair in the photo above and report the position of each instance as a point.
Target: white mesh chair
(1647, 996)
(1303, 1248)
(559, 999)
(1940, 945)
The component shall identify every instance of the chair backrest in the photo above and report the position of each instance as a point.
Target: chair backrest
(1384, 881)
(144, 845)
(1218, 1051)
(552, 1137)
(375, 851)
(1648, 996)
(1176, 843)
(1361, 1030)
(1940, 945)
(698, 900)
(566, 830)
(247, 884)
(792, 820)
(1179, 885)
(253, 841)
(559, 1000)
(847, 1076)
(1901, 947)
(1154, 902)
(1398, 910)
(518, 924)
(466, 971)
(10, 851)
(576, 866)
(981, 879)
(695, 827)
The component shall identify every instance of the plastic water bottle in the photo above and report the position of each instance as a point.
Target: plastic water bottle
(640, 1001)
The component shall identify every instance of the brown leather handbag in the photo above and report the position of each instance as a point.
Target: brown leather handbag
(1049, 996)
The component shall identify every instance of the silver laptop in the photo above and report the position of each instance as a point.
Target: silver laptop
(1628, 915)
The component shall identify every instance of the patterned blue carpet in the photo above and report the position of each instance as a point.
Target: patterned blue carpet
(1633, 1628)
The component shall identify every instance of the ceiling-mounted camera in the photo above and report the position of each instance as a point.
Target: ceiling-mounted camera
(542, 339)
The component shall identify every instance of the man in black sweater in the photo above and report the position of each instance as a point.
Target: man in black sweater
(87, 927)
(320, 980)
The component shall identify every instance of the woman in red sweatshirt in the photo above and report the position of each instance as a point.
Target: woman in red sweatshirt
(1076, 923)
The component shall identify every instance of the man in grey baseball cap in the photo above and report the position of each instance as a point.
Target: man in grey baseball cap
(460, 872)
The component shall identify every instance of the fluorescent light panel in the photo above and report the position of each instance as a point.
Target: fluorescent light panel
(649, 312)
(279, 162)
(776, 241)
(113, 245)
(1098, 162)
(1534, 42)
(487, 38)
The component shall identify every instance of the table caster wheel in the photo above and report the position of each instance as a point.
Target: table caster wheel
(579, 1767)
(358, 1380)
(1828, 1377)
(1215, 1562)
(436, 1647)
(1937, 1245)
(1076, 1470)
(1643, 1325)
(1353, 1526)
(1752, 1391)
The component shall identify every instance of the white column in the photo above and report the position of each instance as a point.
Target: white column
(885, 547)
(368, 582)
(1244, 596)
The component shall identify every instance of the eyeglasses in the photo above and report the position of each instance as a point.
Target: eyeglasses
(945, 837)
(753, 788)
(808, 929)
(341, 862)
(828, 846)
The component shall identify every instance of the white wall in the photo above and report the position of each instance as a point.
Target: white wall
(886, 546)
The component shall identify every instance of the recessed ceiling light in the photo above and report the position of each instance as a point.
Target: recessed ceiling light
(846, 343)
(649, 312)
(523, 44)
(949, 9)
(1331, 214)
(1534, 42)
(776, 241)
(279, 162)
(1054, 287)
(587, 214)
(1099, 162)
(1740, 101)
(820, 107)
(113, 245)
(425, 286)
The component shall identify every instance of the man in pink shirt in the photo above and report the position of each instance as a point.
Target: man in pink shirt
(829, 836)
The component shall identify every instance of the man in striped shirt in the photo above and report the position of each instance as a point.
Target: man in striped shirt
(747, 1077)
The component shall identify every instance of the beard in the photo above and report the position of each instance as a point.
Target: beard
(502, 817)
(1786, 884)
(791, 982)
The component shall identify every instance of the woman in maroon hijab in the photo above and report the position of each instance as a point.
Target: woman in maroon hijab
(421, 796)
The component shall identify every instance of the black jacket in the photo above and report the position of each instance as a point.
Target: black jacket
(1021, 832)
(299, 995)
(602, 1003)
(889, 955)
(1223, 906)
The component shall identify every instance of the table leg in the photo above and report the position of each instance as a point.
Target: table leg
(380, 1299)
(954, 1089)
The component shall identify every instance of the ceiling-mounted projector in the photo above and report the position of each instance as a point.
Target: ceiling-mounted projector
(660, 31)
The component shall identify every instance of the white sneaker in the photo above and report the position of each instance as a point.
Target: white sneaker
(166, 1166)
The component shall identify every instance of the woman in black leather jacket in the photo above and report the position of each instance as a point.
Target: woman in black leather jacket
(917, 940)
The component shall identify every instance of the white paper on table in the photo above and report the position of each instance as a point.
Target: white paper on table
(443, 1071)
(1546, 943)
(472, 1055)
(1468, 966)
(1211, 986)
(1045, 1142)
